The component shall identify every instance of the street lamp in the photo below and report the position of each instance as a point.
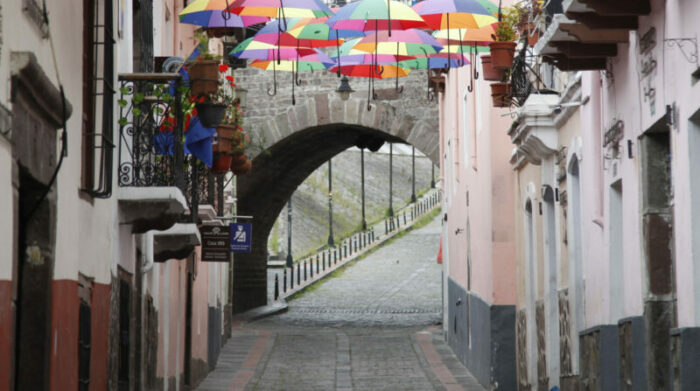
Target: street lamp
(344, 89)
(391, 179)
(330, 204)
(362, 170)
(290, 262)
(413, 174)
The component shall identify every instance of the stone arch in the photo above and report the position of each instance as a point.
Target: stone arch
(295, 139)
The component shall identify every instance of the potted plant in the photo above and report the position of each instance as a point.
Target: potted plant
(228, 130)
(500, 94)
(212, 109)
(503, 48)
(490, 73)
(203, 72)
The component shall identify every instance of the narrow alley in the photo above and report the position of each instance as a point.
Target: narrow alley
(374, 325)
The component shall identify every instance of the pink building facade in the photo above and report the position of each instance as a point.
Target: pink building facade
(91, 294)
(478, 239)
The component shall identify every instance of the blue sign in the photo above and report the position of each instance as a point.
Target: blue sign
(241, 235)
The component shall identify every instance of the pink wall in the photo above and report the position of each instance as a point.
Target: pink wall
(474, 138)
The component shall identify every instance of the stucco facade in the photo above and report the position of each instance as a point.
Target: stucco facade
(478, 240)
(85, 258)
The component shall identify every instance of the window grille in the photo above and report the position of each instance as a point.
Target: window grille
(98, 93)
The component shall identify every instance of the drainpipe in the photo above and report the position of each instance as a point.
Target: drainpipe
(147, 247)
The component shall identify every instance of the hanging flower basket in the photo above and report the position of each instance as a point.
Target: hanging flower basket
(238, 159)
(204, 77)
(502, 53)
(210, 114)
(491, 73)
(224, 139)
(243, 169)
(221, 163)
(500, 94)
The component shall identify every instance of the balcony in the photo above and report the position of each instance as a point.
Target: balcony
(159, 185)
(586, 34)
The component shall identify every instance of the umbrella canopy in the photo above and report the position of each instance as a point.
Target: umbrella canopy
(407, 43)
(481, 36)
(450, 14)
(280, 8)
(318, 29)
(212, 13)
(370, 70)
(256, 50)
(311, 62)
(434, 61)
(272, 33)
(373, 15)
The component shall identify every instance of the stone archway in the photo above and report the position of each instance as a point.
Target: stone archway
(294, 140)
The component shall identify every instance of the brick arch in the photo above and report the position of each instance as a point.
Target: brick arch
(294, 140)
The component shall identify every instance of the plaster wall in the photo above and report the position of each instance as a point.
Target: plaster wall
(475, 138)
(680, 20)
(7, 237)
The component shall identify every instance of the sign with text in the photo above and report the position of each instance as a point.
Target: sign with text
(241, 235)
(216, 241)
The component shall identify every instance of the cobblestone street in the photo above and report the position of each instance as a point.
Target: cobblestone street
(372, 326)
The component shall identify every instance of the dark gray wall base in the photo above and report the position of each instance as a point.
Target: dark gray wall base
(214, 336)
(491, 355)
(633, 370)
(600, 358)
(685, 350)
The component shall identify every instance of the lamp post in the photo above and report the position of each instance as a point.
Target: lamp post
(413, 174)
(362, 173)
(432, 175)
(330, 204)
(344, 89)
(391, 179)
(290, 262)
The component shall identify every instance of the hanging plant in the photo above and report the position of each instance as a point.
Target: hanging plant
(503, 49)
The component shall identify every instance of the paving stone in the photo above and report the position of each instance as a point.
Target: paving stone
(371, 328)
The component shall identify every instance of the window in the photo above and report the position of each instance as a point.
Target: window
(98, 92)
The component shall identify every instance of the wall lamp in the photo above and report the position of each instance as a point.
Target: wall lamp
(344, 89)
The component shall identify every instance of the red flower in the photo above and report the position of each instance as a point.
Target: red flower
(223, 68)
(229, 78)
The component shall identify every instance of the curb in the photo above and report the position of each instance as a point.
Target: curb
(258, 313)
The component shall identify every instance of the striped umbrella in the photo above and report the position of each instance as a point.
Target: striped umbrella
(213, 13)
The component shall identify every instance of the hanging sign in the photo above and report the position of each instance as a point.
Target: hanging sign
(215, 243)
(241, 234)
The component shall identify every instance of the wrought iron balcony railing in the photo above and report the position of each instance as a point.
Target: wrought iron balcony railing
(151, 138)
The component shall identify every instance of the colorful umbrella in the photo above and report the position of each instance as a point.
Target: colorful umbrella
(411, 42)
(272, 33)
(374, 15)
(371, 71)
(256, 50)
(315, 61)
(434, 61)
(213, 13)
(450, 14)
(280, 9)
(461, 14)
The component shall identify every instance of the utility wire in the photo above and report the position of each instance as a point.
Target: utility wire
(64, 134)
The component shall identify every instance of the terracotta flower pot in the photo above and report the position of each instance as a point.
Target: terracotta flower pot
(502, 54)
(532, 38)
(500, 94)
(210, 114)
(238, 159)
(204, 77)
(221, 163)
(243, 169)
(224, 139)
(491, 73)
